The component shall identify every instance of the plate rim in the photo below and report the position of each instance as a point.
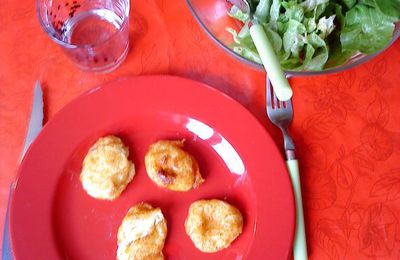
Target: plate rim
(106, 85)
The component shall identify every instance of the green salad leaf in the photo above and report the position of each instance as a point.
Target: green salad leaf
(318, 34)
(349, 3)
(366, 30)
(238, 14)
(310, 5)
(293, 38)
(275, 10)
(390, 8)
(262, 10)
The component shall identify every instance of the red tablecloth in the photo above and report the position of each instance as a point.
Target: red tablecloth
(346, 126)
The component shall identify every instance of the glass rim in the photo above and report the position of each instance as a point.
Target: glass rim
(339, 68)
(50, 33)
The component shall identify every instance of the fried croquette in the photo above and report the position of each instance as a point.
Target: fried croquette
(142, 233)
(106, 170)
(169, 166)
(213, 225)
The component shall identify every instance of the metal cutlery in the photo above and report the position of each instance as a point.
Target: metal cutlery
(34, 127)
(281, 115)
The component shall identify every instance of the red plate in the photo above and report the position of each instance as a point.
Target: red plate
(52, 216)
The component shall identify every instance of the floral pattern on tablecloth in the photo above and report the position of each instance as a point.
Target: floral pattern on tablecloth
(346, 125)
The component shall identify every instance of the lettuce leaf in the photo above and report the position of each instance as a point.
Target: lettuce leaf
(310, 5)
(236, 13)
(294, 39)
(262, 10)
(326, 26)
(349, 3)
(318, 34)
(389, 7)
(366, 30)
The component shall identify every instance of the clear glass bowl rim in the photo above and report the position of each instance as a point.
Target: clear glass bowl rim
(258, 66)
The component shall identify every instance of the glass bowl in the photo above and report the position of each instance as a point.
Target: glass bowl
(212, 15)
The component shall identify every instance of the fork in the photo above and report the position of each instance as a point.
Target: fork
(281, 115)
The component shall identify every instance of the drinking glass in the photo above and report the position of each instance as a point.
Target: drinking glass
(93, 33)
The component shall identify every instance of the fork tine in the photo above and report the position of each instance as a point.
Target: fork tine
(278, 103)
(274, 103)
(268, 90)
(289, 105)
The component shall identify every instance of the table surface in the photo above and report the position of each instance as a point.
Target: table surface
(346, 126)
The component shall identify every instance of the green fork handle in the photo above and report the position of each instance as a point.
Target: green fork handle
(300, 243)
(271, 62)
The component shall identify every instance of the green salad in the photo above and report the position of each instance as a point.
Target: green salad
(318, 34)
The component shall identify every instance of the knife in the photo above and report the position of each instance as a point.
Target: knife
(34, 127)
(36, 120)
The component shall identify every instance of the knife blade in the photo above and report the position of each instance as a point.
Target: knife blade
(34, 127)
(36, 120)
